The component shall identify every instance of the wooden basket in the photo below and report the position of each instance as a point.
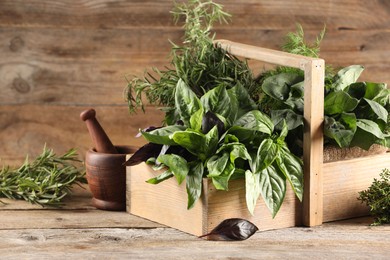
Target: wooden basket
(330, 191)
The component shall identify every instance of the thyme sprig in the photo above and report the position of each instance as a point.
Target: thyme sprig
(44, 181)
(377, 197)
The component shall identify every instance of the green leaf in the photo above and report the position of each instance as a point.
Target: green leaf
(291, 167)
(240, 101)
(370, 127)
(278, 86)
(162, 177)
(217, 164)
(255, 120)
(343, 130)
(356, 90)
(338, 102)
(252, 190)
(221, 181)
(266, 154)
(295, 99)
(162, 135)
(201, 145)
(196, 120)
(217, 101)
(176, 164)
(194, 182)
(186, 102)
(292, 119)
(346, 77)
(273, 189)
(374, 89)
(379, 110)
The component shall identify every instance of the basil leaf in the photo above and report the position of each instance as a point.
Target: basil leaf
(186, 102)
(221, 181)
(217, 164)
(162, 135)
(356, 90)
(162, 177)
(176, 164)
(291, 167)
(252, 190)
(338, 102)
(266, 154)
(255, 120)
(194, 182)
(346, 77)
(272, 188)
(217, 101)
(196, 120)
(240, 101)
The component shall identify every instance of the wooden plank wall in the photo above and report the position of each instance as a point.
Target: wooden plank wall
(58, 58)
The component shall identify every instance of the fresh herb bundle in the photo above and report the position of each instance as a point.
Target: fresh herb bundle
(197, 62)
(377, 197)
(44, 181)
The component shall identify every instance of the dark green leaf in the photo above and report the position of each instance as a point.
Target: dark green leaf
(217, 101)
(370, 127)
(338, 102)
(194, 182)
(356, 90)
(292, 119)
(240, 100)
(278, 86)
(341, 131)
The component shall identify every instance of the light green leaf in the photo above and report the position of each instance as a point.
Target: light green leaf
(162, 135)
(162, 177)
(273, 189)
(257, 121)
(196, 120)
(370, 127)
(291, 167)
(252, 190)
(186, 102)
(176, 164)
(266, 154)
(217, 164)
(194, 183)
(346, 77)
(379, 110)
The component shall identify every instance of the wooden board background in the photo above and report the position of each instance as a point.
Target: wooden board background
(58, 58)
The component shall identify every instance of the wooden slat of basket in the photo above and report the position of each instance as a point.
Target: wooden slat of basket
(313, 116)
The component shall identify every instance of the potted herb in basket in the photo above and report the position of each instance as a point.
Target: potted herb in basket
(213, 128)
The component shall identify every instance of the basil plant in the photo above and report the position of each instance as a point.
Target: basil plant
(222, 136)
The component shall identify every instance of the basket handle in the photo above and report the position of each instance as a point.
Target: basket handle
(314, 71)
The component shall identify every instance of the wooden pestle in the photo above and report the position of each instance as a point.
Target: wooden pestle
(99, 137)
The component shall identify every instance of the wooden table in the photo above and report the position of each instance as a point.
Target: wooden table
(79, 231)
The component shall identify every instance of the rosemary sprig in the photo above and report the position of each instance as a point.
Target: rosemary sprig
(44, 181)
(200, 64)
